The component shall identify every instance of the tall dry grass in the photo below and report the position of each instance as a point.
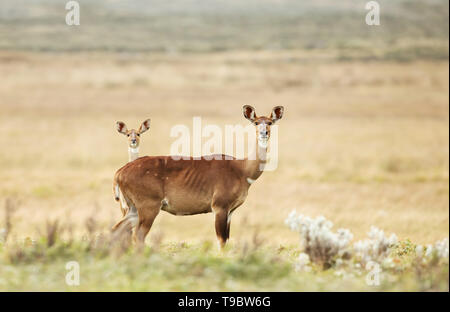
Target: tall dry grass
(361, 143)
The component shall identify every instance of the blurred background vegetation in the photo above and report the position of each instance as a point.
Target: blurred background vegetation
(364, 140)
(412, 29)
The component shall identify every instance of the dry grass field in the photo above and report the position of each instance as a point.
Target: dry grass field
(361, 143)
(364, 141)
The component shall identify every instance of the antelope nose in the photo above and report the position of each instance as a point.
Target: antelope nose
(133, 141)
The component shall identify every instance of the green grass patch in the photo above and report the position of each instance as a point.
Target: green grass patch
(41, 266)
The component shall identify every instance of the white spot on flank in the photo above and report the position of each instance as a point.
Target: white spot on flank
(250, 181)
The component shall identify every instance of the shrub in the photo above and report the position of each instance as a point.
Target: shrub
(320, 243)
(439, 251)
(376, 247)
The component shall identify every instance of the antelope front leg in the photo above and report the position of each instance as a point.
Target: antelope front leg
(221, 223)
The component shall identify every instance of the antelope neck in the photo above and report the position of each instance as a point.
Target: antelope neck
(254, 165)
(133, 153)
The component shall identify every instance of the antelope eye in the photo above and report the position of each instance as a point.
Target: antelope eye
(138, 134)
(256, 123)
(128, 135)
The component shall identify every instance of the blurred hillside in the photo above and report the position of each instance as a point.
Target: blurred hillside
(409, 30)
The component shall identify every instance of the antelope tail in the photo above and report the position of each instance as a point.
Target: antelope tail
(116, 190)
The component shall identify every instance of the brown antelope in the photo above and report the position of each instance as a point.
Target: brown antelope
(133, 153)
(189, 186)
(133, 137)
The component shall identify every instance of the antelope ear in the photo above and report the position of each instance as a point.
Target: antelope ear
(277, 113)
(121, 127)
(144, 126)
(249, 113)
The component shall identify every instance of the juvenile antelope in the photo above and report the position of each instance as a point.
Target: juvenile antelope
(193, 186)
(133, 154)
(133, 137)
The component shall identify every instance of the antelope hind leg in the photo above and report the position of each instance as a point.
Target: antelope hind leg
(148, 211)
(128, 222)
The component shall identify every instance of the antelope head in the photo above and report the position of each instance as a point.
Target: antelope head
(263, 123)
(133, 135)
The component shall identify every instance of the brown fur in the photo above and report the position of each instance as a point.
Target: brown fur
(133, 143)
(133, 135)
(189, 186)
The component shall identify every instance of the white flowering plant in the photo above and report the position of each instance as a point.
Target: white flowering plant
(303, 263)
(376, 248)
(320, 243)
(437, 252)
(323, 247)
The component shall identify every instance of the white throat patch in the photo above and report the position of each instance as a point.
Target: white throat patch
(133, 150)
(263, 143)
(250, 181)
